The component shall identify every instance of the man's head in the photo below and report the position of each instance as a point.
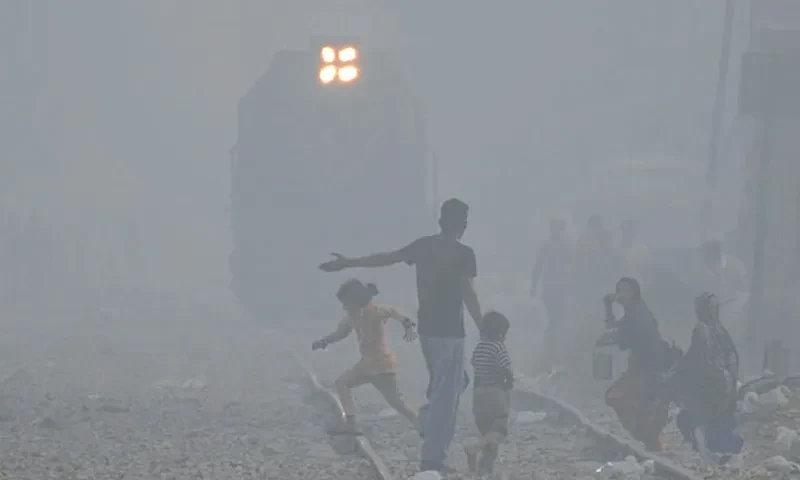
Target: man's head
(628, 291)
(712, 253)
(558, 228)
(494, 326)
(453, 217)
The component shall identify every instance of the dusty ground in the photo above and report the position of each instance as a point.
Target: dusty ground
(195, 394)
(144, 398)
(759, 430)
(543, 450)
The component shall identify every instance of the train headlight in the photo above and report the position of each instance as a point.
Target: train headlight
(348, 73)
(327, 74)
(328, 54)
(348, 54)
(338, 64)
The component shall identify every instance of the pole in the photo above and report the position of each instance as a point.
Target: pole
(435, 185)
(755, 309)
(719, 109)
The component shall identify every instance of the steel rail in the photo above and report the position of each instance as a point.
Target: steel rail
(363, 446)
(532, 398)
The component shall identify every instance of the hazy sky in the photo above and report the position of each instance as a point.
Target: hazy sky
(126, 110)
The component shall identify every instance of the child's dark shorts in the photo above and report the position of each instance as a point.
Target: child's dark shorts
(491, 406)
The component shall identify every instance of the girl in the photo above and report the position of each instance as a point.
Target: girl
(377, 364)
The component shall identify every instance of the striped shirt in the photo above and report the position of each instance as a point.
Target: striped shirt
(491, 363)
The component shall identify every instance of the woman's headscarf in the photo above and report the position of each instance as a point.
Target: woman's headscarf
(712, 353)
(706, 306)
(634, 284)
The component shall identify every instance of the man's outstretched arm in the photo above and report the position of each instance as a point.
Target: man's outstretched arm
(405, 254)
(377, 260)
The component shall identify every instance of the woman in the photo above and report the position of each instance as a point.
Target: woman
(633, 396)
(704, 382)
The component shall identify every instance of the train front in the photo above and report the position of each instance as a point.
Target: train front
(331, 155)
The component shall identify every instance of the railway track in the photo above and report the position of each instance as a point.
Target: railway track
(760, 431)
(360, 444)
(556, 442)
(186, 403)
(248, 415)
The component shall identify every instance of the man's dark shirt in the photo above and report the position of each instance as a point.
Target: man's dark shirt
(441, 265)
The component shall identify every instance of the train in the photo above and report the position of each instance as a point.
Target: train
(331, 154)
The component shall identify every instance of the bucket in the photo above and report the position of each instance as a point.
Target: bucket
(603, 363)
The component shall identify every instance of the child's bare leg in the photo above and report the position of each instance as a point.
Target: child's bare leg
(387, 384)
(490, 448)
(345, 396)
(344, 384)
(473, 447)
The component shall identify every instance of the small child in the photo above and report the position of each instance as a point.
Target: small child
(491, 401)
(377, 364)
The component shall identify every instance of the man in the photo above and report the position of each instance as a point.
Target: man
(718, 273)
(633, 254)
(445, 272)
(594, 270)
(554, 267)
(595, 260)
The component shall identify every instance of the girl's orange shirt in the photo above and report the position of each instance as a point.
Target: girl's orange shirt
(370, 328)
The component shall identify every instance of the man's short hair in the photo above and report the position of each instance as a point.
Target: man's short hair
(453, 214)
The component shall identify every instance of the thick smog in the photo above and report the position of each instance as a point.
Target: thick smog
(399, 240)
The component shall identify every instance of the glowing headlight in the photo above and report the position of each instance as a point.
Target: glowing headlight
(327, 74)
(348, 73)
(338, 64)
(328, 54)
(348, 54)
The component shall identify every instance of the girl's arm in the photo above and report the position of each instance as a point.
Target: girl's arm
(341, 333)
(408, 325)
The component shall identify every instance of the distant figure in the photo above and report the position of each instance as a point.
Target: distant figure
(596, 246)
(491, 400)
(554, 267)
(633, 396)
(632, 253)
(594, 270)
(719, 273)
(594, 263)
(704, 382)
(377, 365)
(445, 272)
